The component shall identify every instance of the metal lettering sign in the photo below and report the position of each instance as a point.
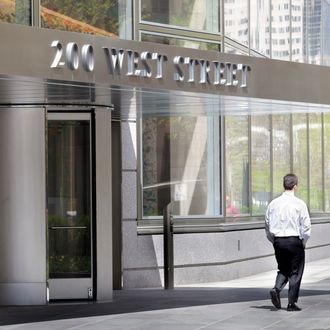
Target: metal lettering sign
(148, 64)
(70, 57)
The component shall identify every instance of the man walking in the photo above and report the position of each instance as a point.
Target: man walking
(288, 227)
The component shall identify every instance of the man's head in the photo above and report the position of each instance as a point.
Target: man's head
(290, 181)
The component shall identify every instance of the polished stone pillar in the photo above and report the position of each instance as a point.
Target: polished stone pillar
(103, 205)
(22, 206)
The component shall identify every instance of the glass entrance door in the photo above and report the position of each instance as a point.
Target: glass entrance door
(69, 206)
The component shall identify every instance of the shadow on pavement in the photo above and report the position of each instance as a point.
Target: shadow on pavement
(139, 300)
(267, 307)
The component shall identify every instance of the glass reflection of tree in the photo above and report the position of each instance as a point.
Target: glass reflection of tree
(237, 166)
(84, 14)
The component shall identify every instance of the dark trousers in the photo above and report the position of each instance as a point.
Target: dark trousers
(290, 257)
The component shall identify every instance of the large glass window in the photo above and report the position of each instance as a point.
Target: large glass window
(291, 30)
(280, 11)
(99, 17)
(260, 160)
(237, 167)
(298, 30)
(281, 151)
(260, 26)
(181, 163)
(237, 20)
(192, 14)
(326, 31)
(313, 29)
(234, 50)
(300, 153)
(327, 161)
(16, 11)
(316, 162)
(181, 42)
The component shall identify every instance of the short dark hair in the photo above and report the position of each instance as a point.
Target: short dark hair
(289, 181)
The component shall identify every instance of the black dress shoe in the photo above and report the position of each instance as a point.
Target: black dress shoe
(293, 308)
(275, 298)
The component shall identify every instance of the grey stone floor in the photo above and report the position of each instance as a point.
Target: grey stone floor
(238, 304)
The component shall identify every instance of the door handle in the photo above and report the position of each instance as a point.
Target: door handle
(68, 227)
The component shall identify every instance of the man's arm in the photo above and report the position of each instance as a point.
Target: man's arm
(305, 225)
(269, 235)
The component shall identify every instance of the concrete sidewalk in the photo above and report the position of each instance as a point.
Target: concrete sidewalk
(239, 304)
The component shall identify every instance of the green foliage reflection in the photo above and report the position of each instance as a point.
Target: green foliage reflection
(69, 247)
(81, 16)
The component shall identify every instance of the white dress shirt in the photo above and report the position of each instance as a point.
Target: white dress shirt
(287, 215)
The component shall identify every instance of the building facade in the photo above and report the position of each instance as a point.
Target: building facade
(112, 111)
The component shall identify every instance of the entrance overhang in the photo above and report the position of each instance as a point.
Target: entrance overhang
(56, 67)
(125, 101)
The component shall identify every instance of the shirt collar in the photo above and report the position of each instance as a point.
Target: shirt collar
(288, 192)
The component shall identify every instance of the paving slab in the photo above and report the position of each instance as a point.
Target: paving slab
(241, 304)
